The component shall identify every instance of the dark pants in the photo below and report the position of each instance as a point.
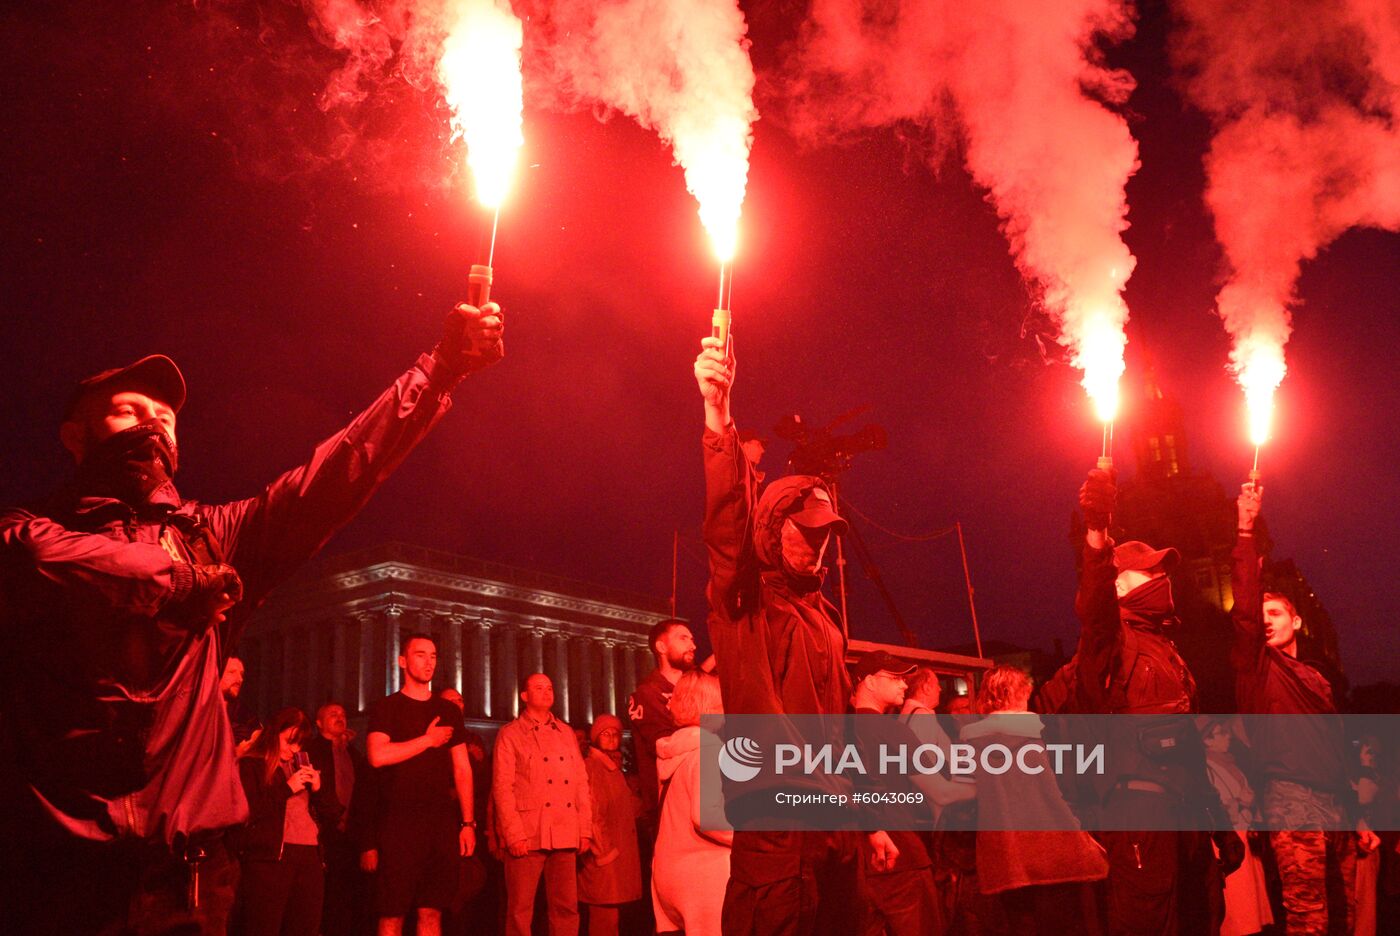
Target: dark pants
(1049, 909)
(1143, 867)
(903, 903)
(283, 898)
(560, 870)
(793, 884)
(348, 908)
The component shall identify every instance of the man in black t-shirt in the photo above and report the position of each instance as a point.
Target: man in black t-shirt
(418, 743)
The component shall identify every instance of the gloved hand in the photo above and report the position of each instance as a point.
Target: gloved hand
(1098, 499)
(215, 588)
(1231, 851)
(472, 338)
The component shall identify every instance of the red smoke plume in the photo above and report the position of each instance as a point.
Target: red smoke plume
(1024, 84)
(1305, 99)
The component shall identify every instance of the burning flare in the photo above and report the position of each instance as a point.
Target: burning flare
(679, 67)
(480, 75)
(1305, 101)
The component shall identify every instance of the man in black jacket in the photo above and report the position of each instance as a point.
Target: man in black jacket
(119, 606)
(1161, 880)
(347, 775)
(1306, 795)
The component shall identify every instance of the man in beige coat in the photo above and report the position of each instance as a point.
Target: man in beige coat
(543, 812)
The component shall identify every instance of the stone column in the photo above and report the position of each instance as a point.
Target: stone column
(583, 677)
(370, 683)
(454, 623)
(393, 619)
(536, 650)
(510, 671)
(561, 676)
(313, 692)
(482, 697)
(629, 675)
(340, 661)
(289, 691)
(609, 677)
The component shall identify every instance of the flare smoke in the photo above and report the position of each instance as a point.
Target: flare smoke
(1025, 84)
(1304, 97)
(679, 67)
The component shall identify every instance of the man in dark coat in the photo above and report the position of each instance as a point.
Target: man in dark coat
(779, 651)
(119, 606)
(347, 775)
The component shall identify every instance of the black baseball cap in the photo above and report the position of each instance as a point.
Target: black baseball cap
(881, 661)
(154, 375)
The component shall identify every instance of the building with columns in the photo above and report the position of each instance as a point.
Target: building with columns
(334, 631)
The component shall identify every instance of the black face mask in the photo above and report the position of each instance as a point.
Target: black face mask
(130, 465)
(1149, 603)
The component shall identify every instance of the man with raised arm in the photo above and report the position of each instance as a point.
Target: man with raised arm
(1306, 794)
(779, 651)
(121, 602)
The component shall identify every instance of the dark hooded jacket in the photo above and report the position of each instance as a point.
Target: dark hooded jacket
(113, 724)
(777, 643)
(1126, 664)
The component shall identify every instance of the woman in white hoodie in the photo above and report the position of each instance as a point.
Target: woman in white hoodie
(690, 868)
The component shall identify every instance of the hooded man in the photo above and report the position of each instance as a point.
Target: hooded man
(121, 602)
(780, 651)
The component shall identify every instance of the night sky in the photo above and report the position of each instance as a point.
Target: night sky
(171, 187)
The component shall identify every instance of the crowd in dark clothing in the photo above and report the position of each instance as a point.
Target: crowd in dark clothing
(145, 798)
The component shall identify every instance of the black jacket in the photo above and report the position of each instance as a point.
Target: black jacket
(360, 824)
(261, 838)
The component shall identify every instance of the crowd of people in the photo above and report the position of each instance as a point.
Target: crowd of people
(145, 798)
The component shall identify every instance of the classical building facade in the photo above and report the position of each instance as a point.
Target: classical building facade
(335, 633)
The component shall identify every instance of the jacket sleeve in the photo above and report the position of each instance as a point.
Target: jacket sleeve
(266, 537)
(730, 495)
(265, 800)
(585, 802)
(503, 788)
(1101, 630)
(1247, 614)
(138, 578)
(603, 845)
(738, 629)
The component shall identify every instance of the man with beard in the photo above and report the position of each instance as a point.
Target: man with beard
(779, 652)
(246, 724)
(120, 605)
(426, 807)
(1156, 779)
(648, 707)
